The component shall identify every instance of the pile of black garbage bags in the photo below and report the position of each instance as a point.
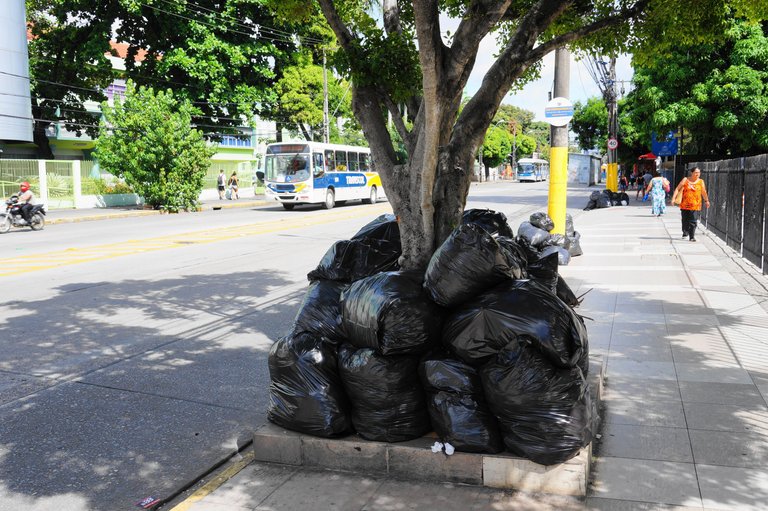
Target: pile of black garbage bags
(606, 198)
(482, 348)
(535, 234)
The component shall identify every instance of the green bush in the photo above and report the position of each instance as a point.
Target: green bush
(148, 141)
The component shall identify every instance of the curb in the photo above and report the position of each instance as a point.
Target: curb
(147, 212)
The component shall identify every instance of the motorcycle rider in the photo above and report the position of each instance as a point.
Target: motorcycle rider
(26, 200)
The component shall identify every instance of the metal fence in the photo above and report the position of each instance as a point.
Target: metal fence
(738, 211)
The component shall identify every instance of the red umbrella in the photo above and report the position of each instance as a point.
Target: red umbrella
(647, 156)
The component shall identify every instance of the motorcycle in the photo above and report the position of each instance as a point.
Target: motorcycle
(12, 216)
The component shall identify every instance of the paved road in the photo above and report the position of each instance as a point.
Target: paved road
(133, 351)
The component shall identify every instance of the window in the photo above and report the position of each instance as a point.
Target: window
(341, 160)
(365, 162)
(318, 169)
(353, 165)
(330, 160)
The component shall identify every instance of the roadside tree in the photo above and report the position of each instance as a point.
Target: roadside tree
(428, 192)
(146, 139)
(716, 92)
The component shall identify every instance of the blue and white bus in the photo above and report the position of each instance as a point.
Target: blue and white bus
(316, 173)
(532, 169)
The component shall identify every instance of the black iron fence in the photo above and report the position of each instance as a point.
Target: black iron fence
(738, 211)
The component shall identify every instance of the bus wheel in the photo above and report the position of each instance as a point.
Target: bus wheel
(288, 207)
(330, 199)
(373, 198)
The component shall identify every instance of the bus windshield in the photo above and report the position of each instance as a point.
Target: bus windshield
(525, 168)
(286, 168)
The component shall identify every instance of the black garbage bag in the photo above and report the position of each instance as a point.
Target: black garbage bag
(532, 235)
(569, 229)
(545, 413)
(494, 222)
(305, 391)
(556, 240)
(591, 204)
(390, 312)
(563, 256)
(623, 199)
(320, 311)
(542, 221)
(517, 310)
(388, 403)
(565, 293)
(574, 247)
(466, 264)
(456, 404)
(516, 256)
(543, 269)
(603, 202)
(351, 260)
(383, 227)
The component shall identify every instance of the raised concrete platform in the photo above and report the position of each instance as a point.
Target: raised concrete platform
(415, 460)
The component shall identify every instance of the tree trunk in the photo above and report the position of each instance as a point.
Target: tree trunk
(44, 151)
(278, 131)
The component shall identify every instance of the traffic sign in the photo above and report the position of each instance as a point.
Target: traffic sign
(558, 112)
(613, 143)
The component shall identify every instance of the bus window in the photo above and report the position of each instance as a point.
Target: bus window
(353, 165)
(330, 160)
(341, 160)
(318, 169)
(365, 162)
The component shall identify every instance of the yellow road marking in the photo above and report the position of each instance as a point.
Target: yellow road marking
(70, 256)
(214, 483)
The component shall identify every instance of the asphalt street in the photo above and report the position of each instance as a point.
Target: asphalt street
(133, 350)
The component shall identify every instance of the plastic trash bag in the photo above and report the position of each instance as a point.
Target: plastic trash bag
(515, 256)
(388, 403)
(558, 240)
(624, 199)
(532, 235)
(460, 416)
(383, 227)
(603, 202)
(569, 228)
(545, 413)
(320, 311)
(563, 256)
(351, 260)
(574, 247)
(466, 264)
(517, 310)
(390, 312)
(494, 222)
(543, 269)
(565, 293)
(305, 391)
(542, 221)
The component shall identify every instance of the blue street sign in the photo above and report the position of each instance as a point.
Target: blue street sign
(664, 147)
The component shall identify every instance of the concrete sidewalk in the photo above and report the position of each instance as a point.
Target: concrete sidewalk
(59, 216)
(684, 328)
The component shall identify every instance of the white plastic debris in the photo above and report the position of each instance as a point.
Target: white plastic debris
(437, 447)
(449, 450)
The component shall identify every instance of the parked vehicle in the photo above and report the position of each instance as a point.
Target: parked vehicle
(532, 169)
(11, 217)
(315, 173)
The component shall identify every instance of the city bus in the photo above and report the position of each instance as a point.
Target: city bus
(315, 173)
(532, 169)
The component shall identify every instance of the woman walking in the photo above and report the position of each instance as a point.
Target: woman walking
(658, 188)
(689, 193)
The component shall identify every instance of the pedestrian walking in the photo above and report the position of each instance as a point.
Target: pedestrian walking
(689, 194)
(623, 183)
(233, 184)
(221, 182)
(658, 188)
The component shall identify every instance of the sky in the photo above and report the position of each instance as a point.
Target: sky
(534, 96)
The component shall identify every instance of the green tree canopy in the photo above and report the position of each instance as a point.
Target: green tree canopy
(716, 92)
(429, 191)
(147, 141)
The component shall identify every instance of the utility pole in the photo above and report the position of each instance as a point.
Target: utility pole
(558, 155)
(326, 128)
(612, 175)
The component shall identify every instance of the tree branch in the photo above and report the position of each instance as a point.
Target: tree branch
(397, 118)
(482, 16)
(391, 17)
(343, 35)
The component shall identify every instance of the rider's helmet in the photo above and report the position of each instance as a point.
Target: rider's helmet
(24, 186)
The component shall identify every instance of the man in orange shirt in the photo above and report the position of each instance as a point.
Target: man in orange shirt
(689, 193)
